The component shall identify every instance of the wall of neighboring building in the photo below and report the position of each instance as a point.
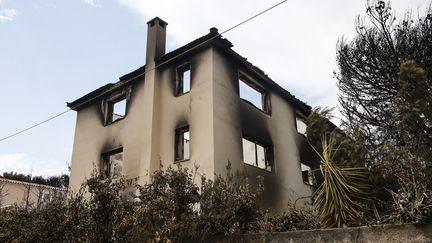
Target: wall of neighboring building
(234, 117)
(22, 193)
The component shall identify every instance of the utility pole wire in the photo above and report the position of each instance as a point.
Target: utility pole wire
(256, 15)
(187, 51)
(35, 125)
(214, 37)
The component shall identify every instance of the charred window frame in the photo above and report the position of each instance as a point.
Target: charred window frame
(111, 165)
(258, 154)
(308, 175)
(301, 125)
(182, 144)
(115, 106)
(249, 88)
(183, 82)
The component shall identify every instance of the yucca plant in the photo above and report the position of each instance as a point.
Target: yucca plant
(341, 194)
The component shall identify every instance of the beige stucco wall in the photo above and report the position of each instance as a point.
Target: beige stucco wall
(143, 154)
(217, 120)
(92, 139)
(15, 193)
(193, 108)
(234, 117)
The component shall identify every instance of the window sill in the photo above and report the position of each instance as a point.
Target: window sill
(258, 168)
(257, 108)
(309, 185)
(109, 123)
(180, 161)
(181, 94)
(302, 134)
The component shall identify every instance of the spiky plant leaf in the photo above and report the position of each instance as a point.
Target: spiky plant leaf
(341, 195)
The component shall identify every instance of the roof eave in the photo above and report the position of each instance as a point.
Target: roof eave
(90, 97)
(299, 105)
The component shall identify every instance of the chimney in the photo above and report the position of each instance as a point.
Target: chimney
(156, 38)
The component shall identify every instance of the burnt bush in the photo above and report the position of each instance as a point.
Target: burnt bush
(170, 208)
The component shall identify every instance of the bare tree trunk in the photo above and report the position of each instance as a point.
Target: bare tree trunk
(3, 192)
(27, 190)
(39, 194)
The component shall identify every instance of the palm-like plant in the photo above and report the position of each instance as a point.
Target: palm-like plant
(341, 195)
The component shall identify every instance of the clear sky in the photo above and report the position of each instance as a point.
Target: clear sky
(55, 51)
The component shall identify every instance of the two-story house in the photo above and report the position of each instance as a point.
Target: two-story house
(201, 104)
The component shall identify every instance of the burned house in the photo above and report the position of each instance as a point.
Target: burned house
(201, 104)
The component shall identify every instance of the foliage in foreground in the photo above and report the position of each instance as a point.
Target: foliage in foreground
(171, 208)
(385, 84)
(341, 195)
(303, 218)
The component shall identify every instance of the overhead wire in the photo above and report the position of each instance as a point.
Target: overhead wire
(160, 64)
(35, 125)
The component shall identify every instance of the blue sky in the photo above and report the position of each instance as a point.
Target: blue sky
(52, 52)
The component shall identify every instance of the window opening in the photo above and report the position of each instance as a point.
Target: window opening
(307, 175)
(116, 109)
(119, 109)
(183, 79)
(112, 164)
(115, 105)
(257, 155)
(182, 144)
(252, 95)
(301, 126)
(45, 196)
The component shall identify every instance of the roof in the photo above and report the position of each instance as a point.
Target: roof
(213, 38)
(90, 97)
(32, 184)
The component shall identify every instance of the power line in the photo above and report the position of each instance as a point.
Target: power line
(214, 37)
(204, 42)
(170, 59)
(35, 125)
(256, 15)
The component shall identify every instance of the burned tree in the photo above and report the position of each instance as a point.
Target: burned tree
(385, 83)
(371, 81)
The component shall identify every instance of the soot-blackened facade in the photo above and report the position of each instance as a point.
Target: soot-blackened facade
(201, 104)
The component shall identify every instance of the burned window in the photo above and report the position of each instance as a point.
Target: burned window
(301, 126)
(115, 106)
(116, 109)
(308, 175)
(257, 155)
(112, 163)
(182, 144)
(253, 94)
(183, 79)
